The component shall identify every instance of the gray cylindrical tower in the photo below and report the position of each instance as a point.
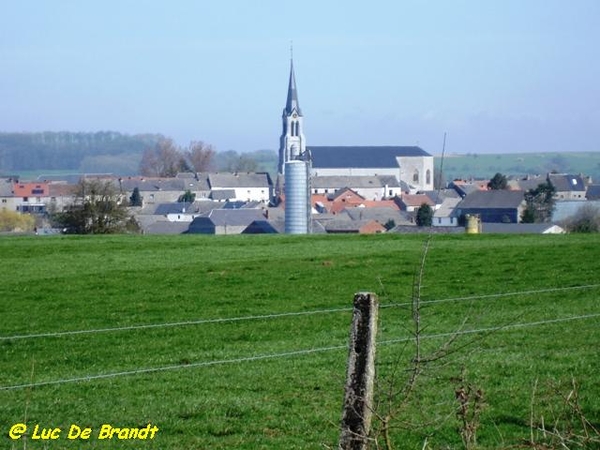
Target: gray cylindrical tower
(297, 197)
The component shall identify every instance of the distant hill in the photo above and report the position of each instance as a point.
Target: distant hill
(486, 165)
(103, 151)
(31, 154)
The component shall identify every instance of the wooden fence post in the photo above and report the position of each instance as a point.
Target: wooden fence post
(358, 397)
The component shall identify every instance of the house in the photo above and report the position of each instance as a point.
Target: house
(445, 215)
(384, 215)
(30, 197)
(245, 186)
(568, 187)
(525, 183)
(60, 195)
(369, 187)
(344, 199)
(493, 206)
(412, 202)
(162, 190)
(338, 226)
(225, 221)
(593, 192)
(465, 187)
(8, 202)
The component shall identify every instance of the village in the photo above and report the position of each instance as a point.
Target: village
(248, 203)
(345, 189)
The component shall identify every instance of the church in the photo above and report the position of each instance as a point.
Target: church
(410, 165)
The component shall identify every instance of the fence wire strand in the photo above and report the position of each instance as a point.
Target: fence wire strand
(293, 353)
(284, 315)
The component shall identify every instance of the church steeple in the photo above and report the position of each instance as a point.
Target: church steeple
(292, 96)
(292, 143)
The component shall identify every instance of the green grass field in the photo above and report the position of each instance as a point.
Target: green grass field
(483, 165)
(241, 342)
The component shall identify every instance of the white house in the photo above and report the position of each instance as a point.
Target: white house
(249, 187)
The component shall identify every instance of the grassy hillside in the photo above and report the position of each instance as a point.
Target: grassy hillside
(241, 342)
(486, 166)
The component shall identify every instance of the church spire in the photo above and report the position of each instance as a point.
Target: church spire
(292, 95)
(291, 142)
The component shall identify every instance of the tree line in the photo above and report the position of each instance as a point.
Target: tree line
(66, 150)
(121, 154)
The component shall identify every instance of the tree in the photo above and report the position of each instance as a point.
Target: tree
(539, 204)
(424, 215)
(163, 159)
(136, 198)
(498, 182)
(200, 156)
(96, 209)
(585, 220)
(187, 197)
(232, 161)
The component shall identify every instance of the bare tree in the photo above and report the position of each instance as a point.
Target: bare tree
(163, 160)
(200, 156)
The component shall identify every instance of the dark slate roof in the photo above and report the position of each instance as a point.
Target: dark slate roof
(172, 208)
(166, 227)
(565, 182)
(159, 184)
(593, 192)
(235, 217)
(347, 226)
(261, 227)
(379, 214)
(353, 182)
(492, 199)
(237, 180)
(222, 194)
(361, 157)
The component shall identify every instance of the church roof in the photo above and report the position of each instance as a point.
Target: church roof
(292, 95)
(361, 157)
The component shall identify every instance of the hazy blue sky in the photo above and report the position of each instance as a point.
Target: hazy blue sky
(497, 75)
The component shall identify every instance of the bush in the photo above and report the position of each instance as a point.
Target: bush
(13, 221)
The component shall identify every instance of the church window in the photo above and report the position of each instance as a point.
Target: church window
(416, 176)
(428, 176)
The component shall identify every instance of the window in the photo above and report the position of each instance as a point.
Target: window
(416, 176)
(428, 177)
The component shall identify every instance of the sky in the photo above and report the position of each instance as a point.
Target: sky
(497, 76)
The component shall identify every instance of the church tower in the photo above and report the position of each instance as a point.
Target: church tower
(292, 142)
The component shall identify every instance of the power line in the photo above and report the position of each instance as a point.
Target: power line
(284, 354)
(282, 315)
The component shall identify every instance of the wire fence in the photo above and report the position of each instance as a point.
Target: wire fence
(218, 320)
(292, 353)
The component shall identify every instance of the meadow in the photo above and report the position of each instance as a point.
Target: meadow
(240, 342)
(481, 165)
